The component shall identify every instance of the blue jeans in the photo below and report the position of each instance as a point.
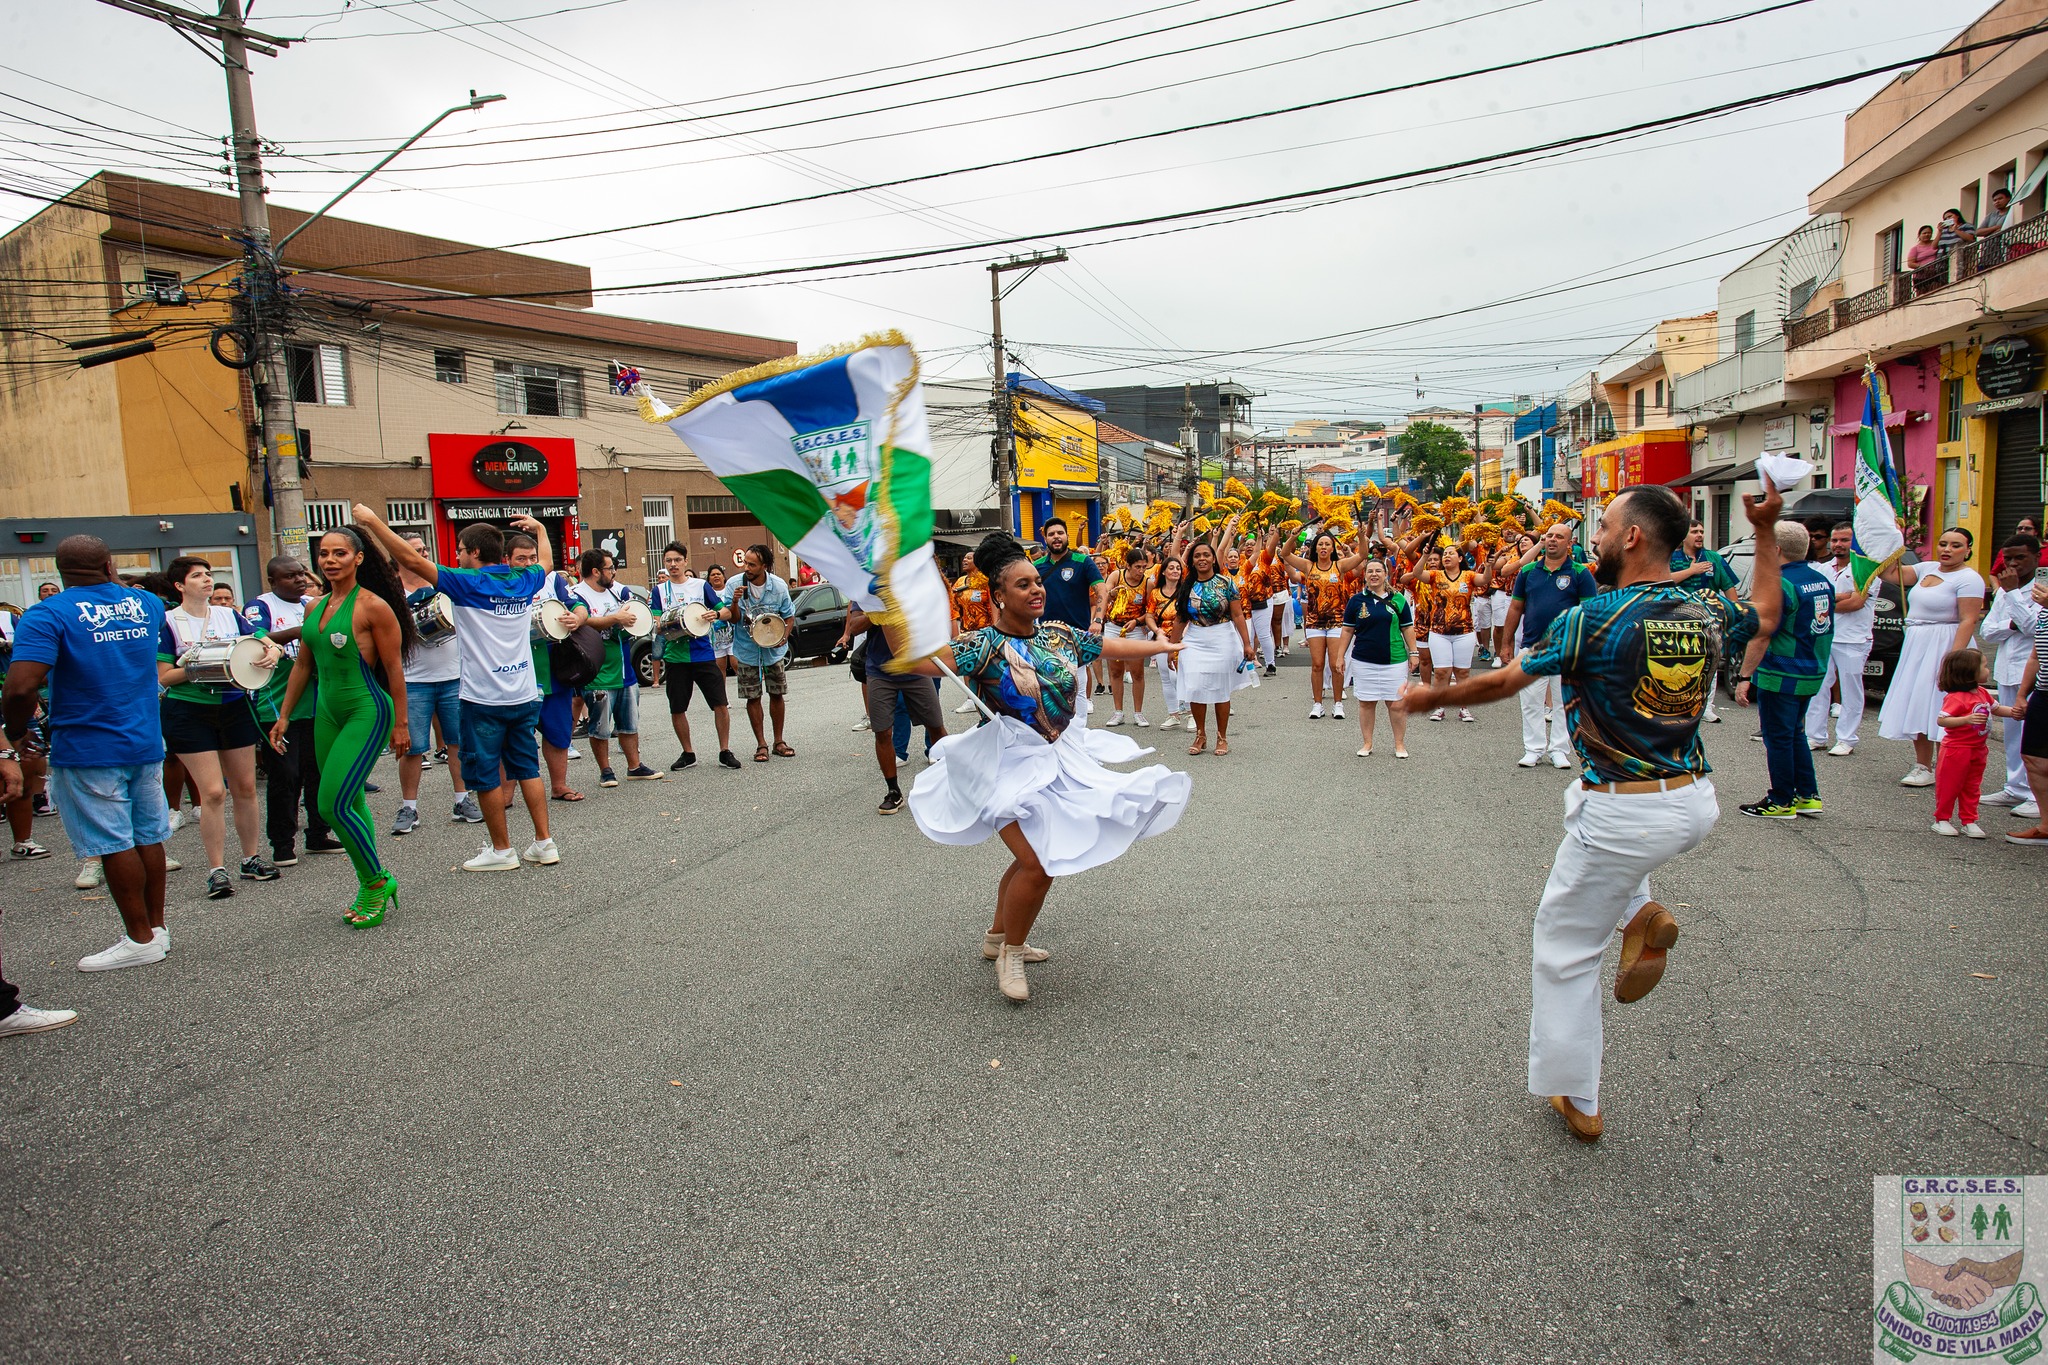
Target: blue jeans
(426, 702)
(111, 810)
(1784, 720)
(495, 735)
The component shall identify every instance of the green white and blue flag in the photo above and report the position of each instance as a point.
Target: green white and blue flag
(1878, 543)
(833, 453)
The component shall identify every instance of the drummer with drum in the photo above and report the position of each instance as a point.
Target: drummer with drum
(209, 661)
(760, 608)
(685, 656)
(613, 696)
(433, 690)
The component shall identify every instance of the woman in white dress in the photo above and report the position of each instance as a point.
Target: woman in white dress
(1944, 602)
(1034, 775)
(1209, 620)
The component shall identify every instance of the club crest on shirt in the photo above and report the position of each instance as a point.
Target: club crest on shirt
(1067, 574)
(1674, 681)
(337, 639)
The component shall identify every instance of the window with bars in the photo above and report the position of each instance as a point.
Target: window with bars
(450, 366)
(319, 374)
(658, 517)
(1951, 410)
(326, 514)
(406, 514)
(538, 390)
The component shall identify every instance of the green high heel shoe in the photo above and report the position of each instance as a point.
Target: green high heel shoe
(371, 902)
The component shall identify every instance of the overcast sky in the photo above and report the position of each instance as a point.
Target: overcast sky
(1181, 305)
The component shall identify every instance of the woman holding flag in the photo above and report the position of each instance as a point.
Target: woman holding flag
(1034, 775)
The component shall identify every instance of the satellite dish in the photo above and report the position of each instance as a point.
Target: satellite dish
(1808, 258)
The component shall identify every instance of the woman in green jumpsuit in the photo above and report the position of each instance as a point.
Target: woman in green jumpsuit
(354, 642)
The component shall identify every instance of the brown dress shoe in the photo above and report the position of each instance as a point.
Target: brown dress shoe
(1643, 942)
(1585, 1127)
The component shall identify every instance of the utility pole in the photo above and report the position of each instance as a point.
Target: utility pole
(1187, 446)
(1477, 408)
(1006, 429)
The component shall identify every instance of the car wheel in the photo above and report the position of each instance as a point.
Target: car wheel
(643, 664)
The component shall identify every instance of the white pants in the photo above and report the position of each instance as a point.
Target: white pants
(1262, 633)
(1845, 665)
(1168, 677)
(1538, 696)
(1600, 878)
(1287, 620)
(2015, 765)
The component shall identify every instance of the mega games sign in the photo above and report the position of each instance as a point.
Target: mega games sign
(491, 468)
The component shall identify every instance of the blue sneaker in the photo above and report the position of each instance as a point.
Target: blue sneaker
(607, 778)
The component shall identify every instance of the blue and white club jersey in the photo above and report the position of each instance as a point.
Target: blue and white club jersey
(493, 606)
(100, 644)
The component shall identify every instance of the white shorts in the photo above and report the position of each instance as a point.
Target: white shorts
(1322, 632)
(1482, 613)
(1451, 651)
(1135, 631)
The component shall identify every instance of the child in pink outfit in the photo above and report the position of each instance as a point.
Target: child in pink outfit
(1966, 712)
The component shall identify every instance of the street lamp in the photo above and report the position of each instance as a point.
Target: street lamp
(476, 101)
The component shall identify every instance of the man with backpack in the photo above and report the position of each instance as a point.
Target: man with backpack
(499, 694)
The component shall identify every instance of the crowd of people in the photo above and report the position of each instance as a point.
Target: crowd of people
(115, 697)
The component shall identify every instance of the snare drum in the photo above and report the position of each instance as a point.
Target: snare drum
(769, 630)
(550, 621)
(434, 619)
(685, 620)
(639, 622)
(228, 664)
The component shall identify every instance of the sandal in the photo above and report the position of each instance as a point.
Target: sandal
(1222, 746)
(782, 749)
(761, 753)
(568, 794)
(371, 902)
(1200, 745)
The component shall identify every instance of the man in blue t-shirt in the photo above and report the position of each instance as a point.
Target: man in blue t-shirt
(1543, 590)
(1073, 585)
(1781, 672)
(499, 697)
(95, 643)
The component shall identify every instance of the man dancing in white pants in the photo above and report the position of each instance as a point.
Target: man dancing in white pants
(1855, 627)
(1636, 663)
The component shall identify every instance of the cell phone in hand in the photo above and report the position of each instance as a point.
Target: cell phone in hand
(2041, 577)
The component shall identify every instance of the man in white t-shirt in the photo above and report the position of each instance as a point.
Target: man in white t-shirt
(613, 696)
(433, 692)
(1855, 617)
(500, 700)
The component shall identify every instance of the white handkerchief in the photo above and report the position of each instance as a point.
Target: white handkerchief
(1785, 471)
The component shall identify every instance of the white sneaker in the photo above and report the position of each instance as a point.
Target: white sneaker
(1817, 745)
(1920, 776)
(1835, 709)
(1558, 760)
(2026, 810)
(493, 860)
(1116, 718)
(1841, 750)
(573, 751)
(1945, 829)
(1528, 760)
(90, 875)
(125, 953)
(163, 936)
(171, 864)
(1337, 711)
(965, 708)
(542, 851)
(1316, 712)
(29, 1019)
(862, 723)
(1975, 831)
(1365, 753)
(1464, 714)
(1010, 973)
(1437, 714)
(2002, 798)
(177, 821)
(1138, 719)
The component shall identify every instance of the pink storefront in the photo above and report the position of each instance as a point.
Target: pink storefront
(1914, 384)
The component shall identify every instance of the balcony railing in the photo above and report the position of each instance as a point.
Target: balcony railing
(1963, 262)
(1760, 367)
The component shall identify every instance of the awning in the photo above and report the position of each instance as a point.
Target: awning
(1991, 407)
(1727, 472)
(1891, 419)
(966, 540)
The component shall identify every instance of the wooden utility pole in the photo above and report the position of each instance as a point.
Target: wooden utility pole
(1006, 430)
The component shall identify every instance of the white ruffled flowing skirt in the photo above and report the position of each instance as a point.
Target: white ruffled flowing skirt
(1212, 665)
(1074, 812)
(1912, 697)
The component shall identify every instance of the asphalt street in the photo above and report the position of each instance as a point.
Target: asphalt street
(732, 1083)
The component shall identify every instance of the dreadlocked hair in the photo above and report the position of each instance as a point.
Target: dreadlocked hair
(380, 577)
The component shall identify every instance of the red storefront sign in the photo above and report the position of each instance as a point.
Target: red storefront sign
(1649, 457)
(495, 478)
